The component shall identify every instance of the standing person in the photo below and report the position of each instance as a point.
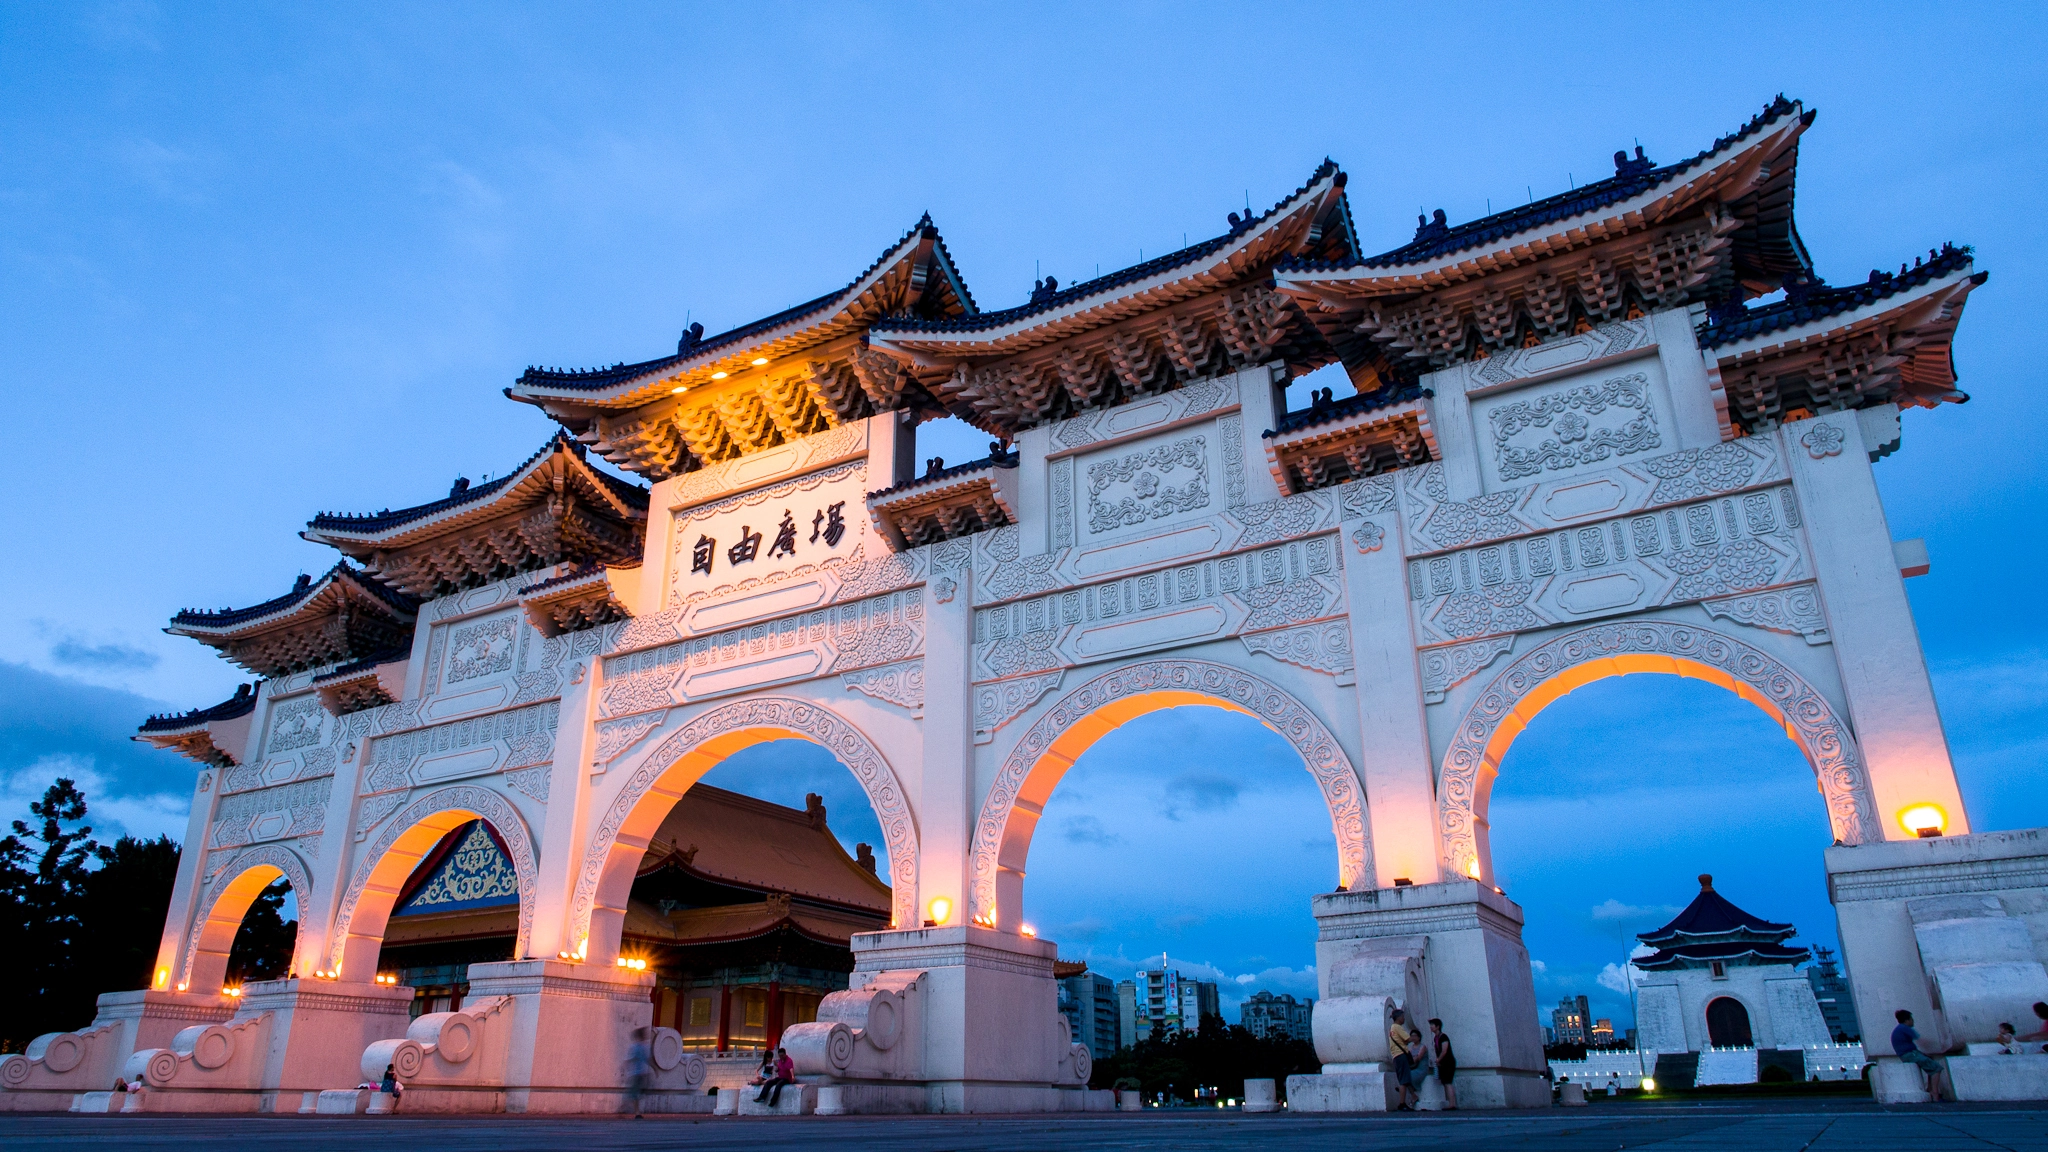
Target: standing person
(1906, 1045)
(637, 1061)
(1399, 1040)
(390, 1085)
(1446, 1062)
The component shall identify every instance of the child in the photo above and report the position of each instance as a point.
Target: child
(2008, 1042)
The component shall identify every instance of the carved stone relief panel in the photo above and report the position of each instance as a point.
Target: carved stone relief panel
(1323, 647)
(1200, 398)
(1148, 484)
(479, 649)
(295, 724)
(999, 703)
(271, 814)
(1436, 522)
(899, 684)
(1736, 543)
(1273, 587)
(841, 638)
(1794, 611)
(519, 738)
(815, 451)
(1609, 339)
(1574, 425)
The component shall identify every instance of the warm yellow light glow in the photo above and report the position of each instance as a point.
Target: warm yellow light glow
(677, 391)
(1472, 867)
(719, 375)
(182, 987)
(941, 909)
(1924, 820)
(760, 361)
(1028, 930)
(1649, 1085)
(163, 977)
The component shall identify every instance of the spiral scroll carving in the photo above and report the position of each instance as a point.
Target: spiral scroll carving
(1821, 734)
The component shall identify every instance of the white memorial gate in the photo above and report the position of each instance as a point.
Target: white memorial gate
(1577, 452)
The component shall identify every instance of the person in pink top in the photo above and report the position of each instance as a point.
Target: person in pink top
(785, 1073)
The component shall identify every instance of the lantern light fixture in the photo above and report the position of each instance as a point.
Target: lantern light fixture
(941, 910)
(1924, 820)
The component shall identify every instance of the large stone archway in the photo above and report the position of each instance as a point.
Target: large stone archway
(1058, 738)
(228, 895)
(389, 859)
(1507, 704)
(669, 770)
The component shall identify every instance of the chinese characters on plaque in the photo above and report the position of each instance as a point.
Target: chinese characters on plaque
(827, 526)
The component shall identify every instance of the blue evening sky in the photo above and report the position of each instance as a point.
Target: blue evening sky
(260, 261)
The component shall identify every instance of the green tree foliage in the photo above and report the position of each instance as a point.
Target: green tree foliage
(263, 945)
(78, 918)
(1218, 1056)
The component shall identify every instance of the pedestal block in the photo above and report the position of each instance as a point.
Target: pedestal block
(568, 1032)
(1455, 950)
(1259, 1096)
(59, 1065)
(287, 1038)
(1949, 929)
(1341, 1092)
(950, 1019)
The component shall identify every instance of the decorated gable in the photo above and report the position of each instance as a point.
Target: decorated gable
(470, 871)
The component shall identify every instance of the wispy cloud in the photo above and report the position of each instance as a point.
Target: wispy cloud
(101, 656)
(1614, 910)
(1200, 792)
(1086, 829)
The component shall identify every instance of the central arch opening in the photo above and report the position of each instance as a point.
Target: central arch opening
(1189, 840)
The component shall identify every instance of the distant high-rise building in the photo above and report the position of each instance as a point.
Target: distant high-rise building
(1271, 1017)
(1831, 989)
(1127, 1013)
(1570, 1021)
(1164, 1003)
(1089, 1002)
(1602, 1032)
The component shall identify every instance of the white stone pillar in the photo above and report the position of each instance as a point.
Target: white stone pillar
(1396, 762)
(169, 971)
(1877, 647)
(946, 793)
(564, 831)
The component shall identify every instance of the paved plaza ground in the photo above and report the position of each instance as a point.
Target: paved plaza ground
(1802, 1126)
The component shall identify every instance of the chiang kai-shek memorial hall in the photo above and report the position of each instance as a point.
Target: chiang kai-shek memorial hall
(1624, 429)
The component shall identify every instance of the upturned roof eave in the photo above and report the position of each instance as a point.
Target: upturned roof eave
(1645, 209)
(302, 606)
(488, 504)
(1965, 279)
(1201, 273)
(802, 329)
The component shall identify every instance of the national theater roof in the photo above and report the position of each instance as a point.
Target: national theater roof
(1711, 928)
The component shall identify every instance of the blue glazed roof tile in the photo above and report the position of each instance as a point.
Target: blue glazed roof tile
(694, 344)
(1728, 325)
(1436, 238)
(241, 703)
(1191, 254)
(466, 494)
(302, 590)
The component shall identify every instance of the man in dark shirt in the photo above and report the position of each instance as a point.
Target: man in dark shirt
(1906, 1045)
